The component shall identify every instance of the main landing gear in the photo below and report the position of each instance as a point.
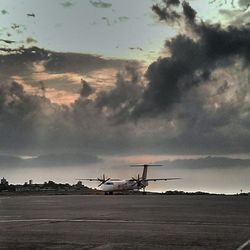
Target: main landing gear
(108, 193)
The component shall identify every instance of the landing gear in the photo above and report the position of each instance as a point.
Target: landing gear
(144, 192)
(108, 193)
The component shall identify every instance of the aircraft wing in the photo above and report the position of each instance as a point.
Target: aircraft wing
(95, 179)
(162, 179)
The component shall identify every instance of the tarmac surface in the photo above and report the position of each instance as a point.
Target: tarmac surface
(125, 222)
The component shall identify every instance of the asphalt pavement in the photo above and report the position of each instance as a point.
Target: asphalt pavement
(125, 222)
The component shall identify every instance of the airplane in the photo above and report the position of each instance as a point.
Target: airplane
(137, 48)
(31, 15)
(15, 26)
(7, 41)
(109, 185)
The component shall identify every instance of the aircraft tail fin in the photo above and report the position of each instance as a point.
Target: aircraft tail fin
(145, 169)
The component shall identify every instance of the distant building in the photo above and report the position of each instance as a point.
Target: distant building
(30, 182)
(4, 182)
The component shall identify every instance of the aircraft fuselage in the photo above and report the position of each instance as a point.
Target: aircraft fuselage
(123, 185)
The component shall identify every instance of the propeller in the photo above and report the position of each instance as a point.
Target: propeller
(138, 182)
(102, 180)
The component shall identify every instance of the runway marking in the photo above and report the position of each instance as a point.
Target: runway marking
(69, 220)
(243, 245)
(200, 223)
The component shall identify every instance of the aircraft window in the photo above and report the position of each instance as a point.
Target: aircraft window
(109, 183)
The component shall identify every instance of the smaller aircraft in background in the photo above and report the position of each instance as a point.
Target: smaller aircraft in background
(15, 26)
(7, 41)
(30, 15)
(109, 185)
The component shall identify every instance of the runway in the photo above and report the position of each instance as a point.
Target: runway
(125, 222)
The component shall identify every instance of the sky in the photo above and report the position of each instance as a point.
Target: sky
(105, 28)
(88, 87)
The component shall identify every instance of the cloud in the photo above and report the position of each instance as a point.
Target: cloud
(66, 159)
(49, 160)
(31, 123)
(86, 89)
(244, 3)
(80, 63)
(192, 59)
(207, 163)
(31, 40)
(192, 100)
(4, 12)
(101, 4)
(9, 160)
(188, 12)
(167, 12)
(67, 4)
(119, 102)
(20, 115)
(58, 71)
(106, 20)
(236, 17)
(123, 18)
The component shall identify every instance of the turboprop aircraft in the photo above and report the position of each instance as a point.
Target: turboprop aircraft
(109, 185)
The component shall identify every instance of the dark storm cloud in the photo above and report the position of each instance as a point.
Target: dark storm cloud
(188, 12)
(86, 89)
(20, 62)
(173, 84)
(207, 163)
(172, 2)
(30, 123)
(80, 63)
(120, 100)
(49, 160)
(167, 12)
(57, 62)
(20, 115)
(192, 60)
(33, 124)
(194, 100)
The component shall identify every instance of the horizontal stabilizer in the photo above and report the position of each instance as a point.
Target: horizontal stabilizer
(163, 179)
(143, 165)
